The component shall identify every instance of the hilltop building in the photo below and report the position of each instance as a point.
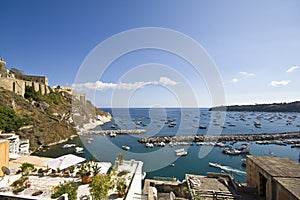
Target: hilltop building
(9, 81)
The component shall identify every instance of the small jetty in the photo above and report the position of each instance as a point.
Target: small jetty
(114, 132)
(220, 138)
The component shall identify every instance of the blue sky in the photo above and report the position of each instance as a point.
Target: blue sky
(252, 43)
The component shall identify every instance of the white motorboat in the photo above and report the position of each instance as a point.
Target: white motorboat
(65, 146)
(149, 145)
(181, 152)
(125, 147)
(214, 165)
(79, 150)
(112, 135)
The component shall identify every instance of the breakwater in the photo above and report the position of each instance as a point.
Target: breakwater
(220, 138)
(117, 132)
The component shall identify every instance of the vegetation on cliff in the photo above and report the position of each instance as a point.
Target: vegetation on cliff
(274, 107)
(43, 119)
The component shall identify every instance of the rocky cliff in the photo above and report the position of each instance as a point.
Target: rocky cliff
(46, 119)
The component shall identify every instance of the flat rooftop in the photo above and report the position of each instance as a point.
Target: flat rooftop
(276, 166)
(292, 184)
(209, 188)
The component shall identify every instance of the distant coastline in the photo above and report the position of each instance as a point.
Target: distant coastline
(274, 107)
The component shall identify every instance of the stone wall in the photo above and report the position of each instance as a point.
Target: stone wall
(9, 82)
(18, 86)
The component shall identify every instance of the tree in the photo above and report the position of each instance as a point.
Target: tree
(100, 186)
(18, 73)
(30, 93)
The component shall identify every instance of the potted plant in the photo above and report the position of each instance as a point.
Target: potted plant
(84, 174)
(26, 168)
(121, 187)
(96, 169)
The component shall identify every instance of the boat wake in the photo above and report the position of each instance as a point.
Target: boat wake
(230, 169)
(227, 168)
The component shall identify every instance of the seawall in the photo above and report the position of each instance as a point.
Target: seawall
(220, 138)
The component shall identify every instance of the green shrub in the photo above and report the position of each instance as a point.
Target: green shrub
(69, 188)
(100, 186)
(10, 121)
(30, 93)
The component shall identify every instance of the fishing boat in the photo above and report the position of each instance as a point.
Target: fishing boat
(125, 147)
(149, 145)
(161, 144)
(112, 135)
(65, 146)
(202, 127)
(231, 151)
(243, 161)
(181, 152)
(79, 150)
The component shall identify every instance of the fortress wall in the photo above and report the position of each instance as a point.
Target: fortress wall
(13, 85)
(18, 86)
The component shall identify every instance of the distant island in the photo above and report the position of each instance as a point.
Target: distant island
(274, 107)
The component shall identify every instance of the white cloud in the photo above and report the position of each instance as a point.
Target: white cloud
(167, 81)
(235, 80)
(99, 85)
(292, 69)
(247, 74)
(279, 83)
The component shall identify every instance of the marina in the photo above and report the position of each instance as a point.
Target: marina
(161, 140)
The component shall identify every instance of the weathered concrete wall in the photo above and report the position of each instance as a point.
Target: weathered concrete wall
(4, 155)
(283, 194)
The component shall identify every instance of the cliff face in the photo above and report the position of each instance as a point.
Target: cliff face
(46, 120)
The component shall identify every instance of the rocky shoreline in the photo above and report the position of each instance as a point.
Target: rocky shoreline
(221, 138)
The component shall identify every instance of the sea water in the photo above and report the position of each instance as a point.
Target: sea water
(162, 161)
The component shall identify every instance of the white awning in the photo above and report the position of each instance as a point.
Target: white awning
(64, 161)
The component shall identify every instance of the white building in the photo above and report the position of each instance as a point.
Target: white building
(16, 146)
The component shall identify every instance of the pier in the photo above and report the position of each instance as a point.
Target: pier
(117, 132)
(220, 138)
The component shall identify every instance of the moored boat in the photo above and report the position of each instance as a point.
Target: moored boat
(243, 161)
(79, 150)
(65, 146)
(149, 145)
(125, 147)
(181, 152)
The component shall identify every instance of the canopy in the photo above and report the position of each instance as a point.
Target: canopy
(104, 167)
(64, 161)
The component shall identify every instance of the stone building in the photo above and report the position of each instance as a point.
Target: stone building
(9, 82)
(274, 178)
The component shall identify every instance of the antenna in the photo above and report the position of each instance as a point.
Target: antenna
(5, 170)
